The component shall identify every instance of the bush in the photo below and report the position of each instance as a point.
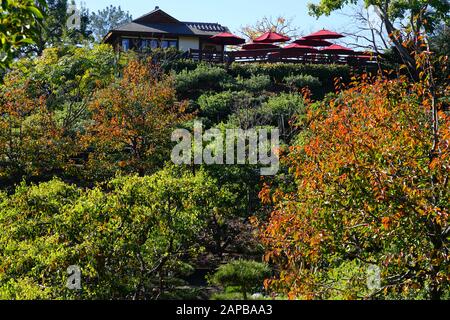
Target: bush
(204, 78)
(278, 72)
(256, 84)
(180, 65)
(257, 77)
(245, 275)
(277, 111)
(280, 110)
(295, 82)
(217, 107)
(169, 59)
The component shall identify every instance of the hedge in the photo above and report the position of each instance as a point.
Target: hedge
(279, 71)
(193, 79)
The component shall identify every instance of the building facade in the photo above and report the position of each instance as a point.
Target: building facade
(158, 29)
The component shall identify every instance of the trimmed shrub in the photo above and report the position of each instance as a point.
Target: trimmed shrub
(245, 275)
(180, 65)
(204, 78)
(256, 77)
(279, 71)
(285, 104)
(217, 107)
(277, 112)
(302, 81)
(256, 83)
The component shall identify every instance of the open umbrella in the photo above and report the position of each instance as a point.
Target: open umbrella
(226, 38)
(337, 49)
(324, 34)
(271, 37)
(259, 46)
(300, 48)
(313, 42)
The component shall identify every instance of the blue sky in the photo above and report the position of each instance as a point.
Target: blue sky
(232, 13)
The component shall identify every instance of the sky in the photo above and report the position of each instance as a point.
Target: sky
(231, 13)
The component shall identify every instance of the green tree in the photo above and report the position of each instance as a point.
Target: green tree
(54, 30)
(107, 19)
(134, 240)
(440, 40)
(19, 26)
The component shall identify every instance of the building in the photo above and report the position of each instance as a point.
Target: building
(158, 29)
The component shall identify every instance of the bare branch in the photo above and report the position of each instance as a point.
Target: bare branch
(280, 24)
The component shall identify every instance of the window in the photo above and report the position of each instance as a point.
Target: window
(147, 44)
(173, 44)
(126, 44)
(164, 44)
(144, 44)
(169, 44)
(154, 43)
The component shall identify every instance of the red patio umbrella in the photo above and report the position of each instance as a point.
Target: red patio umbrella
(325, 34)
(226, 38)
(271, 37)
(259, 46)
(337, 49)
(313, 42)
(300, 48)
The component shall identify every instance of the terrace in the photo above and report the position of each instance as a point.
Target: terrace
(277, 55)
(212, 42)
(312, 49)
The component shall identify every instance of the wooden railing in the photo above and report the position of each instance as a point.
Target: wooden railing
(199, 55)
(278, 55)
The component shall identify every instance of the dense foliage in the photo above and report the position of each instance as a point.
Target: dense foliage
(86, 177)
(368, 190)
(131, 241)
(18, 27)
(133, 118)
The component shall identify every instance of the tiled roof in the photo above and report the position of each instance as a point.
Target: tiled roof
(182, 28)
(208, 27)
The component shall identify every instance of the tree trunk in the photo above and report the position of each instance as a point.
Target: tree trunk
(405, 54)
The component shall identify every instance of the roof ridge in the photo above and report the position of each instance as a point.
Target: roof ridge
(148, 13)
(156, 10)
(193, 22)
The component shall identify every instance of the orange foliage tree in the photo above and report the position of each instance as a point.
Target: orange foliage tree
(371, 187)
(132, 121)
(32, 142)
